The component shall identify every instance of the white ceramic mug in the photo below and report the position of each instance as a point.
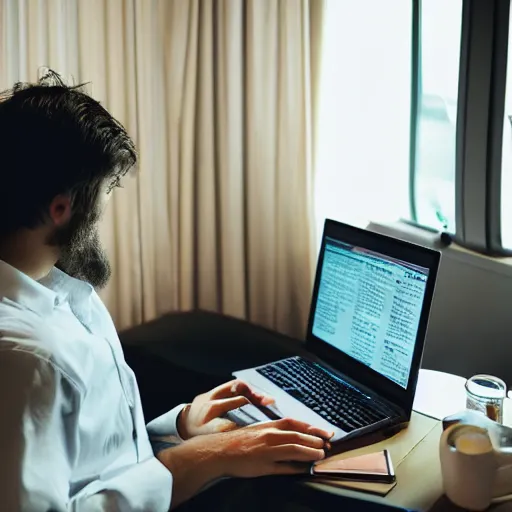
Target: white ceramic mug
(469, 466)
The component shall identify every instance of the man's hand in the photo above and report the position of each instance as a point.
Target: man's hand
(279, 447)
(204, 415)
(284, 446)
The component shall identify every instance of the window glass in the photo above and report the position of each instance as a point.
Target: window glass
(434, 190)
(363, 121)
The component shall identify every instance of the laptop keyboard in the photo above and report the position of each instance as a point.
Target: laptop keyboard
(338, 402)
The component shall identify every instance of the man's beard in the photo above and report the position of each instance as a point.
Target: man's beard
(82, 255)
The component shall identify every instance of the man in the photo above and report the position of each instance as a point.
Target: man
(72, 433)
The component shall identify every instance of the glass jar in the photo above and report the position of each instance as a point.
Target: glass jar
(485, 394)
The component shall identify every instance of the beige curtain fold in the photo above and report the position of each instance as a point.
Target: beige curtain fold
(219, 96)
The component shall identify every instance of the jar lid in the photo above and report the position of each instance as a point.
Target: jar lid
(486, 386)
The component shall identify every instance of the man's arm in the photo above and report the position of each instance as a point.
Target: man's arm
(275, 448)
(39, 444)
(206, 413)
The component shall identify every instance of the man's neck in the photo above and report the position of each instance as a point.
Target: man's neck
(27, 252)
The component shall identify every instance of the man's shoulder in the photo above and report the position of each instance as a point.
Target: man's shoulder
(22, 327)
(30, 376)
(26, 338)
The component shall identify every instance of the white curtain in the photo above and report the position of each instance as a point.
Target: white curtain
(218, 95)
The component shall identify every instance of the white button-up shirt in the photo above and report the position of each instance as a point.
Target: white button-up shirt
(72, 432)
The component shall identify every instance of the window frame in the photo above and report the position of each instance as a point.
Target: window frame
(415, 105)
(498, 96)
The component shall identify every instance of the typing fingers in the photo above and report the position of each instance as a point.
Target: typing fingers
(283, 438)
(296, 453)
(238, 388)
(300, 426)
(218, 408)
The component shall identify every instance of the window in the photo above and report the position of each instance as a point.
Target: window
(415, 117)
(363, 123)
(433, 178)
(363, 158)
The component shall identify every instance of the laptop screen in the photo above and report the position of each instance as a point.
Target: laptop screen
(369, 307)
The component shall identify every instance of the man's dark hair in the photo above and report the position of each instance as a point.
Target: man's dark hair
(55, 139)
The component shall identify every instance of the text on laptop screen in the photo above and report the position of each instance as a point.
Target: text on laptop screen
(369, 307)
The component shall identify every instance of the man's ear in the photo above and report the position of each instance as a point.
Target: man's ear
(60, 210)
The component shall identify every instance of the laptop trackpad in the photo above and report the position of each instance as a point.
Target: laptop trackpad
(247, 415)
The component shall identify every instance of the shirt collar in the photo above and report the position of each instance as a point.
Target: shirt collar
(44, 295)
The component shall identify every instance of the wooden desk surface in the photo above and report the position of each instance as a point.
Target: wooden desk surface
(415, 452)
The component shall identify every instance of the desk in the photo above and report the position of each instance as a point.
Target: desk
(419, 482)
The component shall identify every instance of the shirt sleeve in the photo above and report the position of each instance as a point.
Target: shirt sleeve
(165, 427)
(39, 443)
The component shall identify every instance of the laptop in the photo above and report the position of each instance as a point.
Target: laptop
(365, 338)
